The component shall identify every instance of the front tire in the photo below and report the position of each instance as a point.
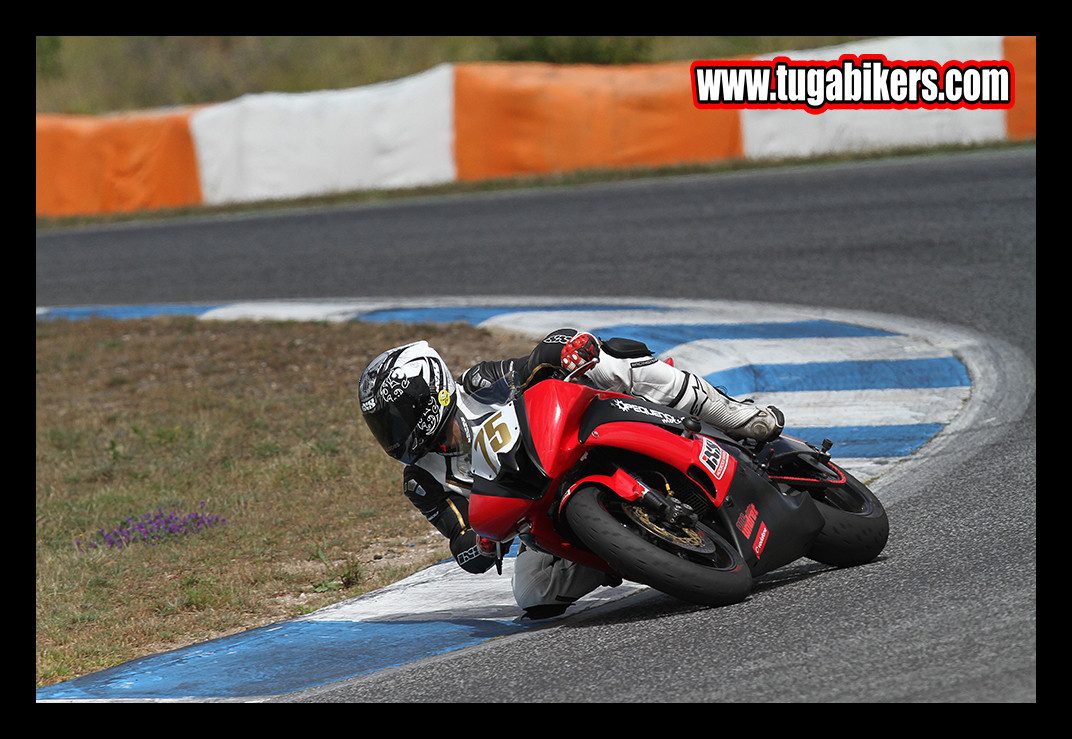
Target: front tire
(694, 564)
(856, 526)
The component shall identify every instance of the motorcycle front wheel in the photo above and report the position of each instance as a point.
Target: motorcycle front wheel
(856, 527)
(693, 563)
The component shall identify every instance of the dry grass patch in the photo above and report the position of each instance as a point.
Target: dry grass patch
(252, 422)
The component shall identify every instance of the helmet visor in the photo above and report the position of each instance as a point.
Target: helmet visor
(393, 427)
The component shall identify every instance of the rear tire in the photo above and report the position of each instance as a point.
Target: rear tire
(856, 528)
(694, 564)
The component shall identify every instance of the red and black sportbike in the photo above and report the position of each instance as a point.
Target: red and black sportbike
(657, 497)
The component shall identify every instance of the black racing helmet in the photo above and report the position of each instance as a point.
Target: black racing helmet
(407, 398)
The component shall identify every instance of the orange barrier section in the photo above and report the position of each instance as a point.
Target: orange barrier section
(1020, 52)
(109, 164)
(528, 118)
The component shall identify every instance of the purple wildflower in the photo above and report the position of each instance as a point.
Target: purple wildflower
(151, 528)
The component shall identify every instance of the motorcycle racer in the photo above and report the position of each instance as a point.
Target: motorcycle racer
(422, 417)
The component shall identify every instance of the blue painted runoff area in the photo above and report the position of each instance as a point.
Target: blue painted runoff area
(276, 660)
(849, 375)
(869, 442)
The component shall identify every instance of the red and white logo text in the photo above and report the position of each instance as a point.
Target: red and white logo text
(761, 539)
(867, 81)
(747, 520)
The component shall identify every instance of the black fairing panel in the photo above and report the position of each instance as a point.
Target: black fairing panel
(772, 529)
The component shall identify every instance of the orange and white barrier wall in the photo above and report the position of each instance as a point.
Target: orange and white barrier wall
(468, 122)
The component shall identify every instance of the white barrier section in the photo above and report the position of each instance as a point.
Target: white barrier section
(773, 133)
(276, 146)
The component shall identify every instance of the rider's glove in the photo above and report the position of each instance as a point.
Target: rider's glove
(580, 350)
(468, 553)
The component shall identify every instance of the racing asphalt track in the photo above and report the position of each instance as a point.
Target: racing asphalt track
(943, 245)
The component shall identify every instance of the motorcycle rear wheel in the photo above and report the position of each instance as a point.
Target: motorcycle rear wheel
(694, 564)
(856, 528)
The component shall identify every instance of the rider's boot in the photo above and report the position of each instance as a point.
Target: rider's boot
(739, 419)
